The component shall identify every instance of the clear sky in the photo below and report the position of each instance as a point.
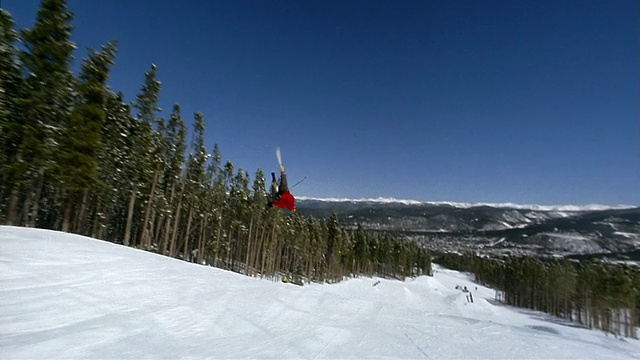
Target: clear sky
(469, 101)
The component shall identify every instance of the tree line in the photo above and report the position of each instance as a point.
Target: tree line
(596, 294)
(77, 157)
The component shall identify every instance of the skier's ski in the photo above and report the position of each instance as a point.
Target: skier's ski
(279, 157)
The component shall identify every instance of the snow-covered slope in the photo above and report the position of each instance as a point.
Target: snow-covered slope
(67, 296)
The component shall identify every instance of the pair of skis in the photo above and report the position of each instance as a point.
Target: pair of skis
(279, 158)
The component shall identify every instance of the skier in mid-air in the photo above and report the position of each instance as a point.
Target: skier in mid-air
(279, 195)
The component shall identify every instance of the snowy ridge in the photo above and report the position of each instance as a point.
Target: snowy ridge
(67, 296)
(569, 208)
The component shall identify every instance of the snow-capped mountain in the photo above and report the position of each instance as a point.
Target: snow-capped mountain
(565, 229)
(465, 205)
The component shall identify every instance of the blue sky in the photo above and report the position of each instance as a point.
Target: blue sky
(469, 101)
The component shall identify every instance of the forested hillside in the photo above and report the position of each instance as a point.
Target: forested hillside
(77, 157)
(494, 230)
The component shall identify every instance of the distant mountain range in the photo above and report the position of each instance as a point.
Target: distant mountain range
(381, 200)
(492, 228)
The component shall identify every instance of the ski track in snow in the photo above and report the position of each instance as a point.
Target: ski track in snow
(67, 296)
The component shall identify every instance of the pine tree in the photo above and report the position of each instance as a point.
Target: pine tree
(334, 247)
(10, 118)
(218, 197)
(256, 206)
(176, 146)
(360, 250)
(80, 143)
(46, 103)
(194, 181)
(117, 166)
(152, 146)
(622, 298)
(239, 205)
(141, 177)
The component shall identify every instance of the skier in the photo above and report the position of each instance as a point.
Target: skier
(279, 195)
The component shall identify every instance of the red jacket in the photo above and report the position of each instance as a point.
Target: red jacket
(287, 201)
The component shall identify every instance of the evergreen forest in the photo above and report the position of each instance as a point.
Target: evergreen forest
(595, 294)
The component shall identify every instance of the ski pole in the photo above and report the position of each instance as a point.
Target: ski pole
(294, 185)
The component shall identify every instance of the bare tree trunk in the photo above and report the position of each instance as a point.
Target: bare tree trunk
(157, 222)
(202, 251)
(35, 203)
(231, 247)
(176, 223)
(277, 256)
(66, 221)
(273, 255)
(26, 207)
(14, 197)
(79, 221)
(187, 233)
(309, 265)
(58, 197)
(246, 261)
(165, 238)
(158, 218)
(132, 203)
(235, 248)
(218, 236)
(152, 230)
(258, 248)
(28, 215)
(146, 232)
(632, 323)
(97, 223)
(12, 216)
(200, 246)
(162, 249)
(265, 248)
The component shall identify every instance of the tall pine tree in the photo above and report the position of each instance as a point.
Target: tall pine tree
(77, 155)
(143, 149)
(10, 117)
(46, 103)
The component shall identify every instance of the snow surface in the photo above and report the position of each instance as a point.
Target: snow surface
(626, 234)
(68, 296)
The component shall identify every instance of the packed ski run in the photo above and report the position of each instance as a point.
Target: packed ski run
(68, 296)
